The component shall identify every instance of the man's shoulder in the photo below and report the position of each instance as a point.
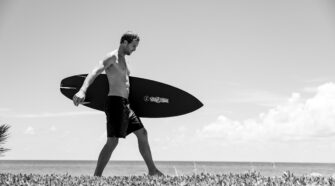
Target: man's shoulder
(112, 54)
(110, 58)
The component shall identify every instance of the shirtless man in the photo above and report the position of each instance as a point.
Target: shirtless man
(121, 120)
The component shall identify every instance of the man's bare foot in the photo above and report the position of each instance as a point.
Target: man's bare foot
(156, 173)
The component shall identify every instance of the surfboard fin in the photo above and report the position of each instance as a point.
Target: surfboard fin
(68, 88)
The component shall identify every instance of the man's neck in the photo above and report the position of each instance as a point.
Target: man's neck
(121, 52)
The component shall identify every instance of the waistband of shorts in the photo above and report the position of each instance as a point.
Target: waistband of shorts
(118, 98)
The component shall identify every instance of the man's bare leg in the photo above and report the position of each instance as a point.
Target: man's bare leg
(105, 155)
(145, 151)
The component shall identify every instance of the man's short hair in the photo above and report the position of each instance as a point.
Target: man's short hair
(129, 37)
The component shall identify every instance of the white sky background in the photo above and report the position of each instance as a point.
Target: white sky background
(263, 69)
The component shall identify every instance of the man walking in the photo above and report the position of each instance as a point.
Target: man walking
(121, 120)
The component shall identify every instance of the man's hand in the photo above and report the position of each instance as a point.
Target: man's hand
(79, 97)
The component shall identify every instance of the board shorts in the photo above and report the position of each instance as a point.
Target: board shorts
(121, 119)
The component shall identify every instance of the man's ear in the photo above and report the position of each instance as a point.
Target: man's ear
(125, 42)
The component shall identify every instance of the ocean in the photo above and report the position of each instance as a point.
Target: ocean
(127, 168)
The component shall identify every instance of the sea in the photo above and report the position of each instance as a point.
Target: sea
(173, 168)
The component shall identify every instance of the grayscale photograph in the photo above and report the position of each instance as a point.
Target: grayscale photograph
(180, 93)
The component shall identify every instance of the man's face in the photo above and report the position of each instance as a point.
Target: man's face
(131, 47)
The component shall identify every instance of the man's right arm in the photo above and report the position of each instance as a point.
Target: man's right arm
(103, 65)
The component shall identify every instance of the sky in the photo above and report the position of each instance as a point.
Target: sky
(264, 71)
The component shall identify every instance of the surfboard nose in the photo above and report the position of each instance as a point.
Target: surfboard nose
(198, 104)
(155, 99)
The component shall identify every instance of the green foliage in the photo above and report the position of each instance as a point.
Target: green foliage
(3, 137)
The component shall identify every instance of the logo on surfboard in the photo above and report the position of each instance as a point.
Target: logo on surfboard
(155, 99)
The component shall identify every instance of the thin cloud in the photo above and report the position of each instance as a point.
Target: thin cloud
(4, 109)
(30, 131)
(310, 89)
(318, 80)
(102, 138)
(53, 128)
(259, 97)
(59, 114)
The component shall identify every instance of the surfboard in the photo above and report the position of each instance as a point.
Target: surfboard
(148, 98)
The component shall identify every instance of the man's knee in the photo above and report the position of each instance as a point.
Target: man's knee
(112, 141)
(144, 132)
(141, 132)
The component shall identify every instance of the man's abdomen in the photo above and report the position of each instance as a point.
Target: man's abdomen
(119, 87)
